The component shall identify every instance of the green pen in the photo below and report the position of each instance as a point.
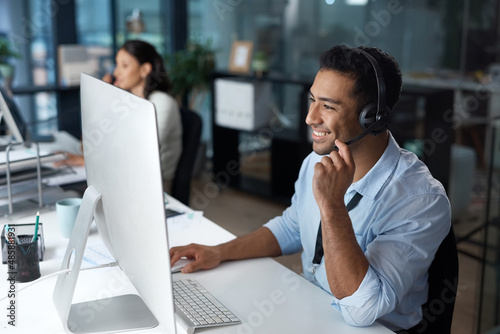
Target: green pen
(35, 236)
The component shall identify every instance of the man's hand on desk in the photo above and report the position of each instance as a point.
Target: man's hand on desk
(260, 243)
(204, 257)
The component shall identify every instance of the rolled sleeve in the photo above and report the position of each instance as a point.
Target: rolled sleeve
(399, 261)
(375, 301)
(303, 210)
(286, 231)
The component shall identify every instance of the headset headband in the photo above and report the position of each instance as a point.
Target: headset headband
(380, 80)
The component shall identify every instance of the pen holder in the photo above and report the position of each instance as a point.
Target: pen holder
(23, 259)
(23, 232)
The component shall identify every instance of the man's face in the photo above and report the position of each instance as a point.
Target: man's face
(333, 112)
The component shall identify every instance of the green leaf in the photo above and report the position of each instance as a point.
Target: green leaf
(7, 51)
(189, 69)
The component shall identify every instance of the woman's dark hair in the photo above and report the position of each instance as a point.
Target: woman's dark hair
(353, 63)
(146, 53)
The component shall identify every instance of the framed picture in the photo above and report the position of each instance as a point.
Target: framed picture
(241, 56)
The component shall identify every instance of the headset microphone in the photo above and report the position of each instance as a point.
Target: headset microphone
(374, 117)
(358, 137)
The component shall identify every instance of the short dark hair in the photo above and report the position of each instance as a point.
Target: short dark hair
(353, 63)
(146, 53)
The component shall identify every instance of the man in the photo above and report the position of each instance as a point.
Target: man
(383, 216)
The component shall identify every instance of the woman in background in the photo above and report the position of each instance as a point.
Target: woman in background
(140, 70)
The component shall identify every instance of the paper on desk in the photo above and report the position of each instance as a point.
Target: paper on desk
(188, 220)
(23, 158)
(96, 253)
(21, 154)
(77, 174)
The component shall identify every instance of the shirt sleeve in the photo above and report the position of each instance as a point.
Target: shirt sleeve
(399, 257)
(286, 231)
(286, 228)
(167, 116)
(169, 132)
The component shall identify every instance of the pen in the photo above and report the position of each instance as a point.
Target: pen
(35, 236)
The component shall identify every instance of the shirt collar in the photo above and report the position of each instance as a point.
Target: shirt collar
(371, 184)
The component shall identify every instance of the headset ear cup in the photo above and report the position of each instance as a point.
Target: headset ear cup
(368, 115)
(384, 118)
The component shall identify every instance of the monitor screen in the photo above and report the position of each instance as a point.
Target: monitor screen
(14, 122)
(125, 197)
(11, 117)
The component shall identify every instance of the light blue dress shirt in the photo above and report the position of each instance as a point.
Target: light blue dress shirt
(399, 224)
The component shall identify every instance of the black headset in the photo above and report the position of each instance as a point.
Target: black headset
(375, 117)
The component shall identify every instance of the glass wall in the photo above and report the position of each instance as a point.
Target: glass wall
(109, 23)
(424, 36)
(427, 38)
(293, 33)
(153, 17)
(94, 22)
(489, 289)
(28, 26)
(421, 35)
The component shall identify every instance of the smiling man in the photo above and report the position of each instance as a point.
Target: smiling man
(367, 215)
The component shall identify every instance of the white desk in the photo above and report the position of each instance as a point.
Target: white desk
(266, 296)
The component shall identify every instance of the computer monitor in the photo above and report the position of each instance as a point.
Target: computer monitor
(11, 116)
(125, 196)
(19, 129)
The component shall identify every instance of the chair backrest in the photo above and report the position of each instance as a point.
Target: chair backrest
(191, 134)
(443, 283)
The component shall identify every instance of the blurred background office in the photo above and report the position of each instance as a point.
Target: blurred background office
(448, 50)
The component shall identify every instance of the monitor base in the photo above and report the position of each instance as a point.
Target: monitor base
(111, 315)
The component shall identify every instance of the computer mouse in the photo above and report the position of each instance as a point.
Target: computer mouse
(180, 264)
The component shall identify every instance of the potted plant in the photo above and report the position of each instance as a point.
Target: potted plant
(260, 64)
(6, 53)
(189, 70)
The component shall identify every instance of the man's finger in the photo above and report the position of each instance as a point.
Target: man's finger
(344, 152)
(179, 252)
(326, 161)
(189, 268)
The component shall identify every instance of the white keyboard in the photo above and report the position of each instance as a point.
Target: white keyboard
(198, 308)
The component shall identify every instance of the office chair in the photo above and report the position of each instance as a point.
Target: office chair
(191, 134)
(443, 283)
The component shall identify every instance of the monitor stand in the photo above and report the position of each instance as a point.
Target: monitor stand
(115, 314)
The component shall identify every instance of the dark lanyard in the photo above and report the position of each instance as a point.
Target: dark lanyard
(319, 252)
